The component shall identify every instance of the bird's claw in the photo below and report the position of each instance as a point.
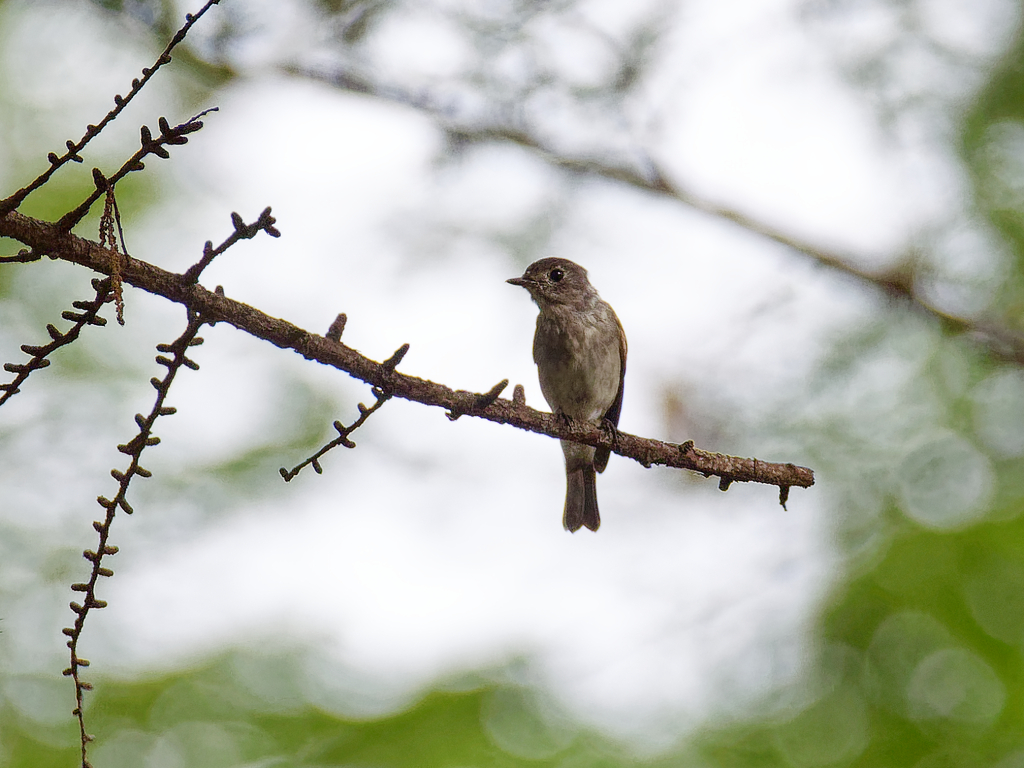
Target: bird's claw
(612, 430)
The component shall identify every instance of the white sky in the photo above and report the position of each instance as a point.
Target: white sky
(437, 547)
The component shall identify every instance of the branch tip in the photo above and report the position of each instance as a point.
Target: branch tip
(392, 362)
(242, 231)
(337, 327)
(784, 494)
(88, 316)
(488, 398)
(343, 435)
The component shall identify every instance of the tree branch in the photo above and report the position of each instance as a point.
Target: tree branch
(214, 307)
(1000, 340)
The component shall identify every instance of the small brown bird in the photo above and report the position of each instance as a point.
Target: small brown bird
(580, 352)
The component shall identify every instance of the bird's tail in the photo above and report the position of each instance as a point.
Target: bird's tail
(581, 499)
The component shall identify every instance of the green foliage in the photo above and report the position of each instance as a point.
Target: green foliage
(918, 659)
(990, 145)
(241, 709)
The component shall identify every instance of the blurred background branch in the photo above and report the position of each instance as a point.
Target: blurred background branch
(644, 174)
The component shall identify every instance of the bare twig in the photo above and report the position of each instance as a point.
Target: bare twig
(86, 315)
(216, 307)
(243, 231)
(120, 102)
(132, 448)
(341, 439)
(148, 146)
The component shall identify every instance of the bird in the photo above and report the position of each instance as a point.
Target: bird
(580, 351)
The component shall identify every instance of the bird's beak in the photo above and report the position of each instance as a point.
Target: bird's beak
(522, 282)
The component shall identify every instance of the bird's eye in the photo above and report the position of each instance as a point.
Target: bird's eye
(556, 275)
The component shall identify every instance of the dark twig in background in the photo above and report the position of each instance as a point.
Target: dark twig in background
(998, 339)
(133, 448)
(87, 315)
(120, 102)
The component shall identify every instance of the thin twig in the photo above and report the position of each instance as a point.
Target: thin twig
(148, 146)
(92, 131)
(341, 439)
(86, 315)
(243, 231)
(133, 448)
